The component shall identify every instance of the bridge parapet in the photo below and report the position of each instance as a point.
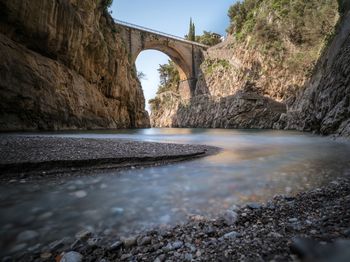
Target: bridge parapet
(148, 30)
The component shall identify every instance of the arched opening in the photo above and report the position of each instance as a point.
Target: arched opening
(147, 63)
(149, 60)
(164, 83)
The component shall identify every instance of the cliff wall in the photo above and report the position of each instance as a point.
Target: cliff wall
(323, 105)
(278, 68)
(64, 66)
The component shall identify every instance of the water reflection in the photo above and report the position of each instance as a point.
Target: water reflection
(254, 166)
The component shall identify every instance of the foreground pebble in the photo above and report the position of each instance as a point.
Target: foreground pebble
(72, 257)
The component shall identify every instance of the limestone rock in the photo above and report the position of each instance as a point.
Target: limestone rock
(64, 66)
(323, 105)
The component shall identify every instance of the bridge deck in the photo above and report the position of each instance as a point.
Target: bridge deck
(141, 28)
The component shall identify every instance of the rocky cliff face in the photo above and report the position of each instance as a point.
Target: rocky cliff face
(323, 105)
(64, 66)
(263, 70)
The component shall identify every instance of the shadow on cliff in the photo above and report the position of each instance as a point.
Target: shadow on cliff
(246, 108)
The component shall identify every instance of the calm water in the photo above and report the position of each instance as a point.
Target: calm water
(254, 166)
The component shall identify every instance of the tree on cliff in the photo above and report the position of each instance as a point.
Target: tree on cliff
(191, 36)
(209, 38)
(169, 77)
(107, 4)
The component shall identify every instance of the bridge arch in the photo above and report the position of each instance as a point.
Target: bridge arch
(180, 63)
(186, 55)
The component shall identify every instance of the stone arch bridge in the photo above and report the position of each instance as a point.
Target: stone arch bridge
(186, 55)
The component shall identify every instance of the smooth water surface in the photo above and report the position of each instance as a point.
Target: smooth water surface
(254, 166)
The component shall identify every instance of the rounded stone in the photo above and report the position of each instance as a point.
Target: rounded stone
(72, 256)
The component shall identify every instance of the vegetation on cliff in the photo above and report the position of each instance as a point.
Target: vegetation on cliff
(107, 4)
(292, 30)
(207, 38)
(169, 82)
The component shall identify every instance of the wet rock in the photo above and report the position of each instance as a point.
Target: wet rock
(34, 248)
(75, 244)
(56, 245)
(230, 217)
(177, 244)
(27, 236)
(83, 235)
(173, 246)
(92, 241)
(46, 255)
(116, 245)
(72, 256)
(168, 248)
(197, 218)
(191, 247)
(188, 257)
(144, 241)
(125, 256)
(232, 235)
(274, 235)
(254, 205)
(129, 242)
(160, 258)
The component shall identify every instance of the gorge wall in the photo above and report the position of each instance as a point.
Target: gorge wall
(64, 66)
(323, 105)
(259, 77)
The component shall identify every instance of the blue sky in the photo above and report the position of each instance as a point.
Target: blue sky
(170, 17)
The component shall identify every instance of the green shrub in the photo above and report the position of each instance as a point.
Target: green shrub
(214, 64)
(107, 4)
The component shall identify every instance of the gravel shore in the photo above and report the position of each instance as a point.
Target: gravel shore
(310, 226)
(39, 156)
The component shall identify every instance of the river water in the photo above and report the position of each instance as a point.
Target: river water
(253, 167)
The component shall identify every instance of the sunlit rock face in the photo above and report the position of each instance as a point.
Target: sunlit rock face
(284, 82)
(64, 66)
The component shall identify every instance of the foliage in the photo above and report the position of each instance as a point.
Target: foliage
(240, 12)
(191, 36)
(208, 38)
(280, 29)
(298, 21)
(107, 4)
(169, 81)
(141, 75)
(214, 64)
(154, 103)
(169, 77)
